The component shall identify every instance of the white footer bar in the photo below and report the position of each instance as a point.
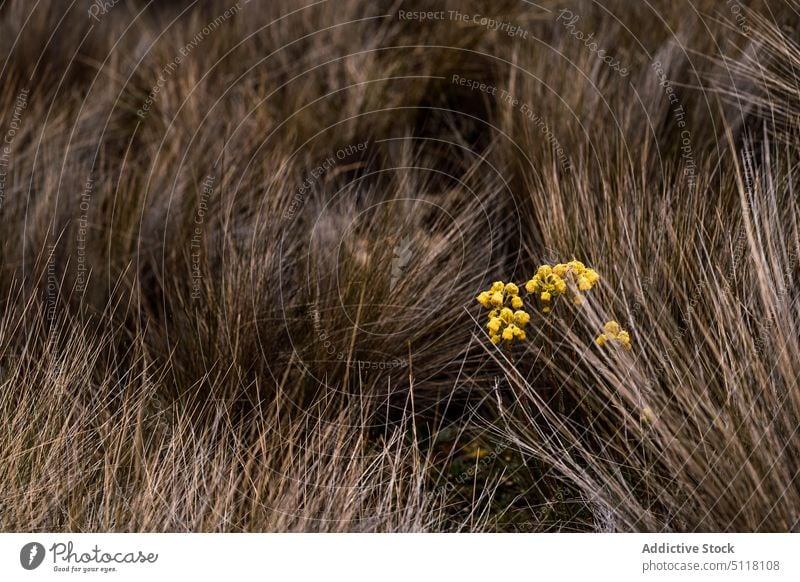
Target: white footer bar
(401, 557)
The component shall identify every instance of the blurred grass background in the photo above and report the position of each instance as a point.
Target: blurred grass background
(222, 314)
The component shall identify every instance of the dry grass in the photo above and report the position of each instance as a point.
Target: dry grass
(193, 341)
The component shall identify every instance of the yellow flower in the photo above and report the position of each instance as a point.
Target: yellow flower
(506, 318)
(560, 269)
(521, 318)
(550, 282)
(500, 295)
(614, 333)
(577, 267)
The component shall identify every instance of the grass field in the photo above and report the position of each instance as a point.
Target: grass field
(243, 245)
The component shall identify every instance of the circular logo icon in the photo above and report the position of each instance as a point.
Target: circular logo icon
(31, 555)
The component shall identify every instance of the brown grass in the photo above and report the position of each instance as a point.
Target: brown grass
(193, 341)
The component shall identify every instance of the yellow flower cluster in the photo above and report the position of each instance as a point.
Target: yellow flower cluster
(551, 281)
(499, 294)
(614, 333)
(506, 320)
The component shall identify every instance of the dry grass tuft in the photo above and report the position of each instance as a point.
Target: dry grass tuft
(238, 289)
